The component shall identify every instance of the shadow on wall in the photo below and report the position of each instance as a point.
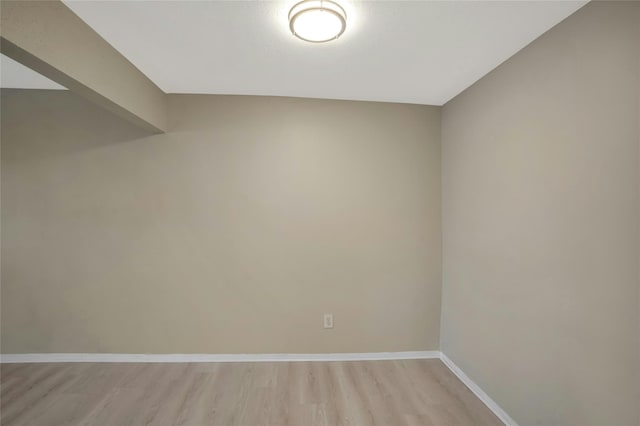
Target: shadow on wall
(36, 117)
(48, 138)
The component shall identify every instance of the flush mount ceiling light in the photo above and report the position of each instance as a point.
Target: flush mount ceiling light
(317, 21)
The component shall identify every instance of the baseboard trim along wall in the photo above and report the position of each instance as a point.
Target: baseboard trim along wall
(96, 357)
(490, 403)
(180, 358)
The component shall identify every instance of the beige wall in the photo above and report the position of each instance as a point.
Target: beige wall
(234, 232)
(541, 220)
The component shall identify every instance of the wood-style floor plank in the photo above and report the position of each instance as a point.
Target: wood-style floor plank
(407, 392)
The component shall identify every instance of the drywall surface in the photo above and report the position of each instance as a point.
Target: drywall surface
(234, 232)
(540, 224)
(52, 40)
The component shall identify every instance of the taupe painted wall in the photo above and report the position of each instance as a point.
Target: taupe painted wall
(232, 233)
(541, 224)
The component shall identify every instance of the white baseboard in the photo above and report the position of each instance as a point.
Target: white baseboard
(96, 357)
(490, 403)
(179, 358)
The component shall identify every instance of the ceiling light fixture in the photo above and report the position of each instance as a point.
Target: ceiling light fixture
(317, 21)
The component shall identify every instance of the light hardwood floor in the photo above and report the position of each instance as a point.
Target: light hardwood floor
(412, 392)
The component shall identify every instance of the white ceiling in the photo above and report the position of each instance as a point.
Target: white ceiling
(423, 52)
(14, 75)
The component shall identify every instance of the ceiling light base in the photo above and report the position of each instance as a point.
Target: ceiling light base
(317, 21)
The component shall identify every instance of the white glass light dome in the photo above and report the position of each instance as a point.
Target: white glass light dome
(317, 21)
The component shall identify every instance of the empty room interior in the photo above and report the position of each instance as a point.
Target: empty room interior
(320, 212)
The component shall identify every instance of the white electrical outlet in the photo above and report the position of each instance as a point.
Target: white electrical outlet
(328, 320)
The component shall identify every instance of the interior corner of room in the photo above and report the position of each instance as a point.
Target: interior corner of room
(436, 221)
